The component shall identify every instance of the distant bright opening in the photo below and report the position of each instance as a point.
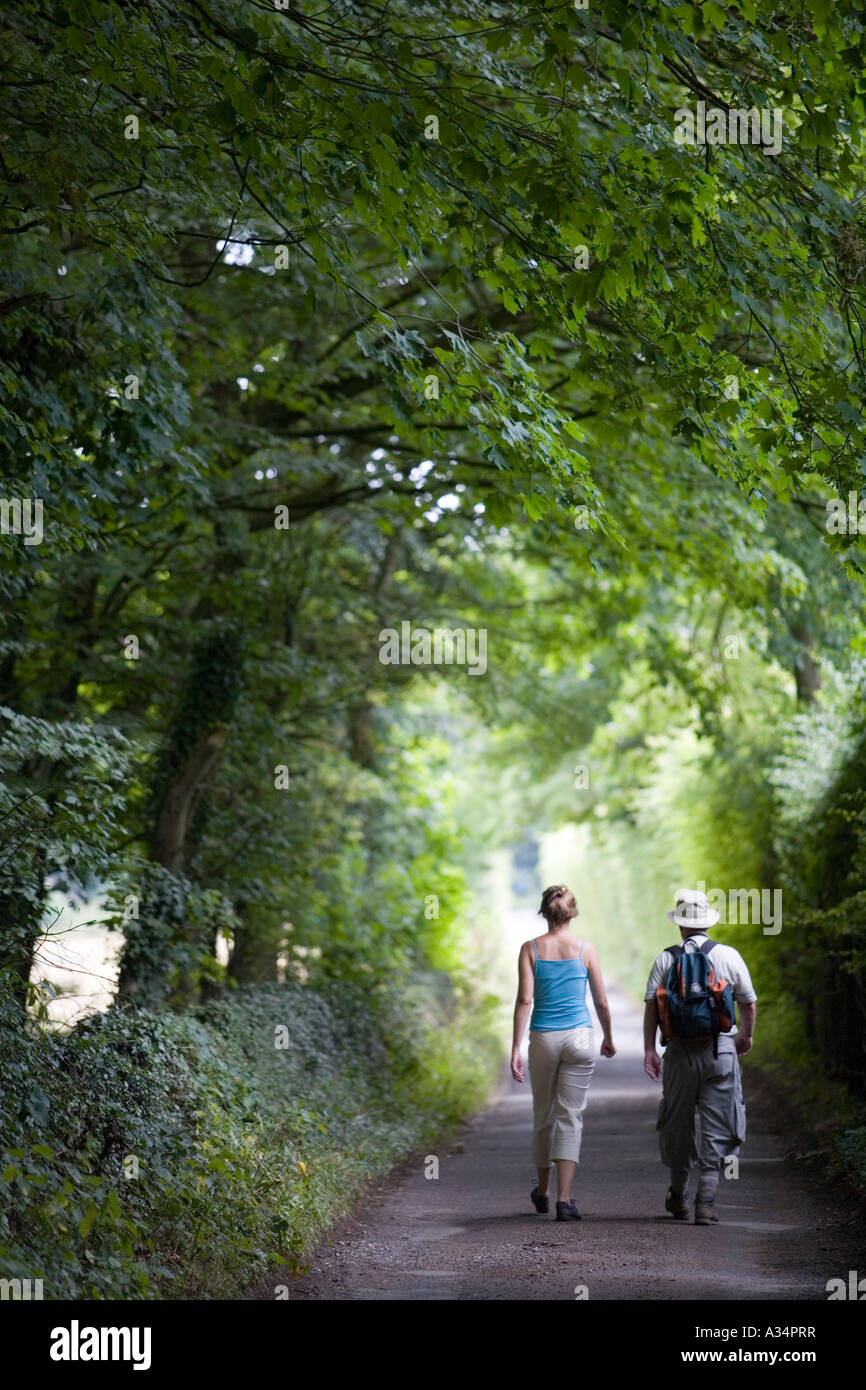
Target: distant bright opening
(236, 252)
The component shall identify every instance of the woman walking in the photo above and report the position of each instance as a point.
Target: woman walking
(552, 974)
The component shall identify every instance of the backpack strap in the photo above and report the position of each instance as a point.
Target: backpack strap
(714, 1008)
(677, 953)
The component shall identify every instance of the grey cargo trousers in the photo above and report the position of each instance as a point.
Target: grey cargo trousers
(702, 1115)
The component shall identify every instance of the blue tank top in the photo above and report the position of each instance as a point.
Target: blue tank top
(560, 994)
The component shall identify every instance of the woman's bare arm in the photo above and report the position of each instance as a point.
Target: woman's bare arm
(522, 1007)
(599, 997)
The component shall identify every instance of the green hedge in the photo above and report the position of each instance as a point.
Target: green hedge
(245, 1150)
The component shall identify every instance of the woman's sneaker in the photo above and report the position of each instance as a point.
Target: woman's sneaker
(542, 1204)
(677, 1206)
(567, 1211)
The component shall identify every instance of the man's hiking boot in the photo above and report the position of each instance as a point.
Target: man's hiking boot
(704, 1215)
(542, 1204)
(567, 1211)
(677, 1206)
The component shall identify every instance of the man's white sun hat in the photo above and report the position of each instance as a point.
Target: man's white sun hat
(693, 910)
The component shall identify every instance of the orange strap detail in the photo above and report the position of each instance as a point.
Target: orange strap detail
(718, 987)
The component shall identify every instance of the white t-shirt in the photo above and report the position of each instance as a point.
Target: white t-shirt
(728, 963)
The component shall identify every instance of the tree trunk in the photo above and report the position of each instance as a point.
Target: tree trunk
(19, 931)
(180, 802)
(807, 672)
(253, 960)
(360, 731)
(193, 745)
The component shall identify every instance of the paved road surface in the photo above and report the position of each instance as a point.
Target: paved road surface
(473, 1233)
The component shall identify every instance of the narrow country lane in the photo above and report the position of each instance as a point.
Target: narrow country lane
(473, 1234)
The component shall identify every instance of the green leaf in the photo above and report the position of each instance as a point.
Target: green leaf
(86, 1223)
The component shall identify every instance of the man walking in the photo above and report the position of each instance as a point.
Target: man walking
(689, 995)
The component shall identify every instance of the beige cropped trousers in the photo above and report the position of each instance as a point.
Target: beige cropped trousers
(561, 1064)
